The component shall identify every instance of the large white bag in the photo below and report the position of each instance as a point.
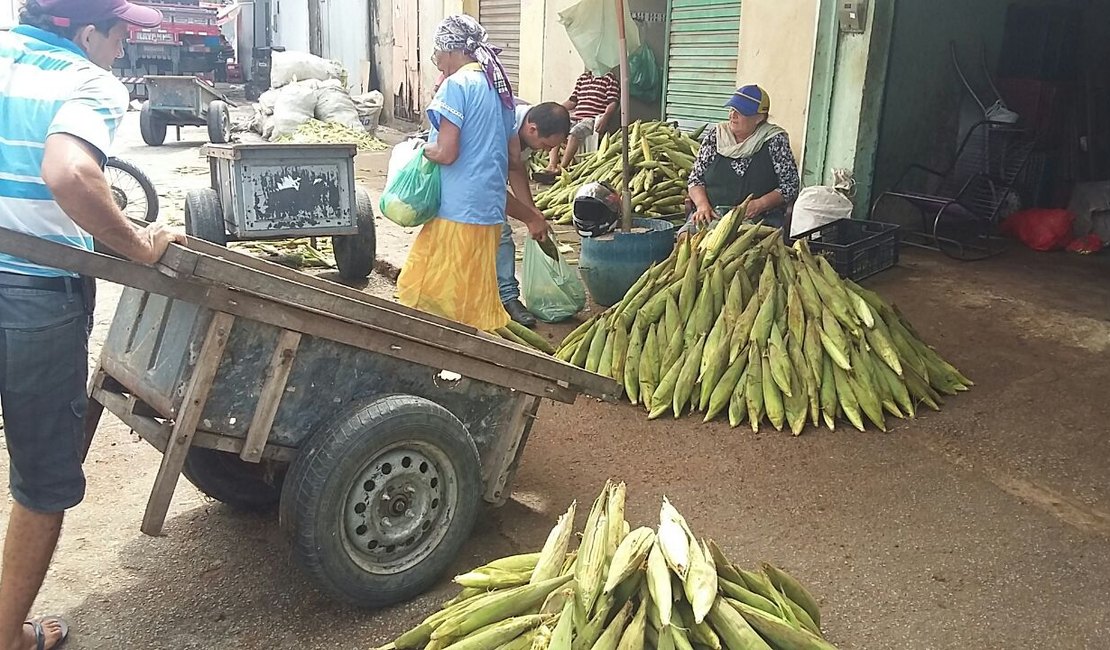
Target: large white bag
(817, 206)
(287, 67)
(295, 105)
(333, 104)
(369, 106)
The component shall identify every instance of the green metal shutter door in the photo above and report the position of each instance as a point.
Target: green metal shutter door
(501, 18)
(703, 44)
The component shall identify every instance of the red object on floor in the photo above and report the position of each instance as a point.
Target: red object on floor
(1086, 244)
(1041, 229)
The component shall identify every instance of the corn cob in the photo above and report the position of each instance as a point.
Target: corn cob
(734, 629)
(497, 634)
(550, 561)
(779, 633)
(659, 583)
(701, 581)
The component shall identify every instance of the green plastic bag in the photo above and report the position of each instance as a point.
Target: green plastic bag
(412, 190)
(644, 75)
(551, 288)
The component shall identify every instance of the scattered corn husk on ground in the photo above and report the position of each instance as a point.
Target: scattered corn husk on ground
(622, 589)
(736, 323)
(294, 253)
(661, 157)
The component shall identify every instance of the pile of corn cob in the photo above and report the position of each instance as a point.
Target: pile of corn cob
(661, 157)
(622, 589)
(735, 320)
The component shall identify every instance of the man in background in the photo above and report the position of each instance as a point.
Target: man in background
(592, 105)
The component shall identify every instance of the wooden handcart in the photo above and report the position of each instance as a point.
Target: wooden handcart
(377, 430)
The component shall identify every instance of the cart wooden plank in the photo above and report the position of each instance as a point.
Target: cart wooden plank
(509, 448)
(285, 352)
(306, 321)
(184, 263)
(181, 437)
(157, 433)
(286, 273)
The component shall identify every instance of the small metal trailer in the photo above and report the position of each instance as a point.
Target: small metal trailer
(183, 101)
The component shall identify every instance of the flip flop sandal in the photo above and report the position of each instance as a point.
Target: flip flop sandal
(40, 632)
(544, 178)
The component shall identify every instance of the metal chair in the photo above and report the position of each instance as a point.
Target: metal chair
(960, 207)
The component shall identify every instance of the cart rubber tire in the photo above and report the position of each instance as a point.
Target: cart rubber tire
(219, 122)
(143, 181)
(355, 254)
(229, 479)
(152, 129)
(204, 219)
(396, 456)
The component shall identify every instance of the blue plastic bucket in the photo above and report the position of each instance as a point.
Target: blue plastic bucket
(610, 265)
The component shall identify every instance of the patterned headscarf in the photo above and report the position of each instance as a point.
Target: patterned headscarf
(461, 33)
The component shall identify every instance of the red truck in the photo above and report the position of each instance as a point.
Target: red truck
(188, 42)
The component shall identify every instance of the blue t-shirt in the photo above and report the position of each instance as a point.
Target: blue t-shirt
(473, 187)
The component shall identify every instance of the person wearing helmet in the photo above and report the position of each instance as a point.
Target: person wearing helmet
(741, 157)
(597, 209)
(451, 269)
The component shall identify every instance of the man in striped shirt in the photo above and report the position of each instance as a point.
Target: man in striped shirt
(592, 105)
(59, 110)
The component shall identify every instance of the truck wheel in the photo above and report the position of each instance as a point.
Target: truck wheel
(219, 122)
(204, 218)
(152, 129)
(380, 499)
(251, 487)
(355, 254)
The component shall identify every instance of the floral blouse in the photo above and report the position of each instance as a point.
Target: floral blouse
(781, 157)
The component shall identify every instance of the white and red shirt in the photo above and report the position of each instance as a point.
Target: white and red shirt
(592, 95)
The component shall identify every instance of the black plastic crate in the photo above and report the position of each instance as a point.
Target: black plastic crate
(856, 249)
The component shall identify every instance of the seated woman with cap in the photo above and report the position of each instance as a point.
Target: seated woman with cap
(741, 157)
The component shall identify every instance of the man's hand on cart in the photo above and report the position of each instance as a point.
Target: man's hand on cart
(158, 238)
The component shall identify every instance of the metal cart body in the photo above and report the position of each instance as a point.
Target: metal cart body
(282, 191)
(183, 101)
(285, 190)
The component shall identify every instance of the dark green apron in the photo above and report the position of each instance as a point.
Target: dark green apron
(726, 189)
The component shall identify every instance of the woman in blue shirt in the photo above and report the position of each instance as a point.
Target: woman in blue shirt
(451, 269)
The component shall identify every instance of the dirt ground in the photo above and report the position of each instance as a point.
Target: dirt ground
(984, 526)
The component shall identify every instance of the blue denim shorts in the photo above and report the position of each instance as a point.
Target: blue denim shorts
(43, 370)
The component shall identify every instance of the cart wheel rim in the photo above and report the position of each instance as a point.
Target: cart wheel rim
(398, 509)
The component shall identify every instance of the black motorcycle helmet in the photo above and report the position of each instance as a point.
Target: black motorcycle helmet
(597, 209)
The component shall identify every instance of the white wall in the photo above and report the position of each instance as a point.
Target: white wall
(291, 24)
(9, 12)
(777, 41)
(346, 37)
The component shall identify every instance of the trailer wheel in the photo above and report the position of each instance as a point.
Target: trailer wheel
(251, 487)
(380, 499)
(204, 218)
(355, 254)
(219, 122)
(152, 129)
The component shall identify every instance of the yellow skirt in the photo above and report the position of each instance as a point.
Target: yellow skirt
(451, 271)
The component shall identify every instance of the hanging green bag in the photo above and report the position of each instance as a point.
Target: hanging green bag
(550, 287)
(412, 190)
(645, 76)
